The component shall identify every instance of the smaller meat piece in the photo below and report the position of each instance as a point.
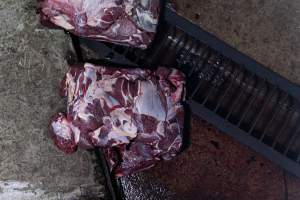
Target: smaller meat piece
(135, 115)
(124, 22)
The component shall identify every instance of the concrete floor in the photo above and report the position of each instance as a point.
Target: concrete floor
(32, 64)
(268, 31)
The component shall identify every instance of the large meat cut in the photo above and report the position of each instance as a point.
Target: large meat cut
(136, 116)
(129, 22)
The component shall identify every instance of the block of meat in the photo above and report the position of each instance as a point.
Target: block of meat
(129, 22)
(135, 115)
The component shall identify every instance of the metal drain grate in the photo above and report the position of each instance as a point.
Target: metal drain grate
(228, 89)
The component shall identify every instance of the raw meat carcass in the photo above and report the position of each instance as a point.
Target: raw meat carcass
(129, 22)
(136, 116)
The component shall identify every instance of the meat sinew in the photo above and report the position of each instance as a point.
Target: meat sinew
(135, 115)
(129, 22)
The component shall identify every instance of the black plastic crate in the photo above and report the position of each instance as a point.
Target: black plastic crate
(228, 89)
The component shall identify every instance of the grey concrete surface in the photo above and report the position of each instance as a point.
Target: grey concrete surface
(266, 30)
(31, 65)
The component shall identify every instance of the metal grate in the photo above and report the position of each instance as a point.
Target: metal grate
(228, 89)
(245, 100)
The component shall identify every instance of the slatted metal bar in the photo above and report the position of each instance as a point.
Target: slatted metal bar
(235, 102)
(262, 109)
(292, 140)
(211, 89)
(272, 119)
(235, 75)
(250, 104)
(286, 121)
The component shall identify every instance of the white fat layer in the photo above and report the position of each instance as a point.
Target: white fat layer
(63, 21)
(127, 127)
(129, 40)
(139, 36)
(128, 8)
(62, 129)
(149, 102)
(96, 10)
(177, 140)
(76, 132)
(115, 28)
(115, 135)
(81, 110)
(71, 86)
(160, 129)
(146, 20)
(118, 134)
(172, 109)
(96, 90)
(96, 133)
(126, 97)
(75, 3)
(145, 3)
(92, 6)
